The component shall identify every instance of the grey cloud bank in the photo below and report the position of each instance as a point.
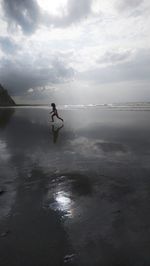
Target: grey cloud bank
(114, 57)
(18, 77)
(135, 69)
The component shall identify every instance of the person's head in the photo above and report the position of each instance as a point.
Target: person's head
(53, 105)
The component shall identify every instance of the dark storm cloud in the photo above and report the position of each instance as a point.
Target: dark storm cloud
(28, 16)
(135, 69)
(8, 45)
(19, 77)
(23, 13)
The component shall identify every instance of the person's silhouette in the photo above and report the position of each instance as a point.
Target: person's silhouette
(55, 112)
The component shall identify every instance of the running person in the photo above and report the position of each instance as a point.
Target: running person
(55, 113)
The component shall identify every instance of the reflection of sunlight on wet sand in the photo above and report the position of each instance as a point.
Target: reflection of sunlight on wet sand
(63, 203)
(63, 200)
(66, 194)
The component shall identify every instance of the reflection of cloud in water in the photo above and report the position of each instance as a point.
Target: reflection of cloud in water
(4, 153)
(97, 148)
(112, 147)
(85, 147)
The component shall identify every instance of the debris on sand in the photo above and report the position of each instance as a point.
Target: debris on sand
(4, 234)
(69, 258)
(2, 192)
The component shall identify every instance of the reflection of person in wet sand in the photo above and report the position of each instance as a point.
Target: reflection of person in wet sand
(55, 112)
(55, 132)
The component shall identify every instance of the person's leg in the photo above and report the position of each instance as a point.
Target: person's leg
(53, 117)
(59, 118)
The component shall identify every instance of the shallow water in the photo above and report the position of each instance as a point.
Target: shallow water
(75, 193)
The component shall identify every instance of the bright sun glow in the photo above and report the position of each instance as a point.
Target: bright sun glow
(52, 6)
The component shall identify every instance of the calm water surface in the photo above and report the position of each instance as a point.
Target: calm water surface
(76, 193)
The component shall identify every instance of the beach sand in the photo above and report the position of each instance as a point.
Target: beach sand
(76, 193)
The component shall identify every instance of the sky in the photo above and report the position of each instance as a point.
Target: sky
(75, 52)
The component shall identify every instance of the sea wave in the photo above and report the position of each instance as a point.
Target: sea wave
(140, 106)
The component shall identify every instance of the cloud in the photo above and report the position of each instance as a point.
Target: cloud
(114, 57)
(22, 13)
(20, 75)
(8, 45)
(78, 10)
(134, 8)
(135, 69)
(74, 12)
(28, 15)
(128, 4)
(95, 39)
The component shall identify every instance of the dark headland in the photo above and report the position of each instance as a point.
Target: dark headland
(5, 98)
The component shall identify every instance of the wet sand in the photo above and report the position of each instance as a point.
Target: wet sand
(74, 194)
